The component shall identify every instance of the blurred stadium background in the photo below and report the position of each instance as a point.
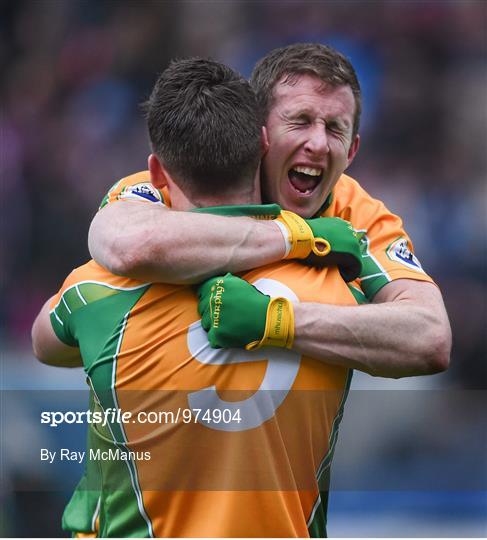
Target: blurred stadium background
(411, 460)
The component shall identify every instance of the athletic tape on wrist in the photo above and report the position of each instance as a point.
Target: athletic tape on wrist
(301, 237)
(279, 326)
(285, 234)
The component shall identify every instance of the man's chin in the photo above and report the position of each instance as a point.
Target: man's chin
(287, 199)
(306, 209)
(304, 204)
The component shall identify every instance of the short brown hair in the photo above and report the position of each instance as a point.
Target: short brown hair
(205, 127)
(322, 61)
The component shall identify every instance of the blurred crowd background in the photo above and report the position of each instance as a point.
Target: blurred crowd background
(75, 71)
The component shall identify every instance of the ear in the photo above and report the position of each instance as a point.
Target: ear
(264, 141)
(352, 151)
(158, 173)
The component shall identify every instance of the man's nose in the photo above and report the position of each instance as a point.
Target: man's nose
(317, 142)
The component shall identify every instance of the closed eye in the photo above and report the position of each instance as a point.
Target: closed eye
(338, 127)
(301, 120)
(333, 126)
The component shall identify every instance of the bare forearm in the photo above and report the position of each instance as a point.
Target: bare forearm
(153, 243)
(393, 339)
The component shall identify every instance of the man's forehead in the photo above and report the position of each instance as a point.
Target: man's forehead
(306, 92)
(289, 80)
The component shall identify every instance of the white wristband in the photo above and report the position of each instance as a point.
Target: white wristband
(285, 234)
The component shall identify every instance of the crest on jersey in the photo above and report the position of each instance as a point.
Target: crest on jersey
(143, 191)
(399, 251)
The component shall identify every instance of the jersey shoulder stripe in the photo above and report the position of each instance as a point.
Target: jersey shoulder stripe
(84, 286)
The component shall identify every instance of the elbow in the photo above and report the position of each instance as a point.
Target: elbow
(39, 352)
(36, 352)
(44, 359)
(36, 348)
(39, 347)
(122, 262)
(438, 359)
(437, 349)
(120, 255)
(442, 358)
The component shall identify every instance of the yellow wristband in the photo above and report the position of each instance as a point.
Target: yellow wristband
(301, 237)
(279, 326)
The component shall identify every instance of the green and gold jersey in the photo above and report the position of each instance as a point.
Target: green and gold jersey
(217, 443)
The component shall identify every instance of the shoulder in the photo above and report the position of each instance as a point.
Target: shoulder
(89, 283)
(137, 187)
(347, 186)
(349, 197)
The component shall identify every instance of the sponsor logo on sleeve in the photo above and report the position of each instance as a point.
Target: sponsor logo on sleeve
(399, 251)
(144, 191)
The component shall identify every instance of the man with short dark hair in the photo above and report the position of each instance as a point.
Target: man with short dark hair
(310, 96)
(242, 439)
(227, 130)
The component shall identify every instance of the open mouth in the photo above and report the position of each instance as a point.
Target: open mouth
(304, 179)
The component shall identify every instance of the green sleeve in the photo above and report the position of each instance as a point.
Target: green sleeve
(61, 319)
(372, 277)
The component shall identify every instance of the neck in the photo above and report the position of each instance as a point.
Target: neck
(179, 200)
(228, 200)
